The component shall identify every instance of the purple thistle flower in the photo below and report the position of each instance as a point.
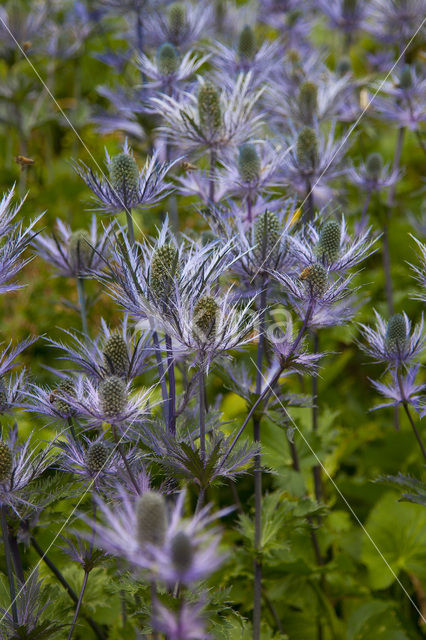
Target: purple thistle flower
(294, 357)
(185, 624)
(82, 551)
(395, 21)
(402, 389)
(404, 99)
(168, 73)
(395, 350)
(420, 272)
(181, 23)
(75, 255)
(53, 402)
(346, 16)
(133, 188)
(372, 175)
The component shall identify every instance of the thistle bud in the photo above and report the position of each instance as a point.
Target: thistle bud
(374, 165)
(209, 111)
(267, 233)
(247, 43)
(167, 59)
(329, 241)
(343, 67)
(97, 457)
(349, 7)
(248, 163)
(116, 355)
(123, 172)
(307, 149)
(67, 388)
(80, 249)
(405, 79)
(177, 20)
(6, 461)
(151, 519)
(308, 102)
(181, 552)
(112, 395)
(396, 333)
(164, 268)
(316, 277)
(205, 315)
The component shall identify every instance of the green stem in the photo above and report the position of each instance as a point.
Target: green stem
(130, 227)
(409, 416)
(316, 468)
(5, 534)
(82, 303)
(79, 603)
(202, 414)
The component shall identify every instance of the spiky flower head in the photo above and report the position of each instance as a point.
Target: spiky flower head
(6, 461)
(307, 149)
(248, 163)
(247, 43)
(4, 400)
(151, 519)
(177, 19)
(64, 388)
(181, 552)
(112, 395)
(205, 315)
(405, 79)
(267, 233)
(164, 268)
(80, 249)
(374, 164)
(167, 59)
(343, 67)
(308, 102)
(116, 355)
(124, 174)
(396, 333)
(316, 278)
(97, 457)
(209, 111)
(328, 246)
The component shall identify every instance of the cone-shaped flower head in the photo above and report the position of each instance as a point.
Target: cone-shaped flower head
(247, 43)
(307, 149)
(167, 59)
(6, 461)
(181, 552)
(151, 519)
(65, 387)
(205, 315)
(177, 19)
(316, 278)
(396, 333)
(97, 457)
(124, 174)
(209, 111)
(248, 163)
(164, 268)
(80, 249)
(328, 246)
(112, 395)
(116, 355)
(267, 232)
(374, 164)
(308, 102)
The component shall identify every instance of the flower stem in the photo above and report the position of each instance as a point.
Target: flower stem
(212, 175)
(123, 457)
(154, 609)
(202, 414)
(317, 468)
(363, 221)
(82, 304)
(80, 600)
(130, 227)
(309, 199)
(161, 373)
(5, 534)
(172, 387)
(409, 416)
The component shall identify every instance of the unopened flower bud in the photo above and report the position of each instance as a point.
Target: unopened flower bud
(6, 461)
(267, 234)
(307, 149)
(116, 355)
(209, 111)
(308, 102)
(205, 315)
(124, 174)
(167, 59)
(247, 43)
(164, 269)
(151, 519)
(316, 277)
(181, 552)
(405, 79)
(177, 20)
(112, 395)
(97, 457)
(374, 165)
(396, 333)
(349, 7)
(248, 163)
(329, 241)
(80, 249)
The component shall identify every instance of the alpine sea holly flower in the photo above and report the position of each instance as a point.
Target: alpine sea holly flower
(52, 402)
(345, 15)
(420, 272)
(127, 187)
(373, 175)
(403, 100)
(393, 342)
(78, 254)
(395, 21)
(81, 551)
(403, 389)
(111, 353)
(210, 118)
(169, 72)
(20, 464)
(198, 183)
(294, 26)
(181, 23)
(187, 623)
(332, 245)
